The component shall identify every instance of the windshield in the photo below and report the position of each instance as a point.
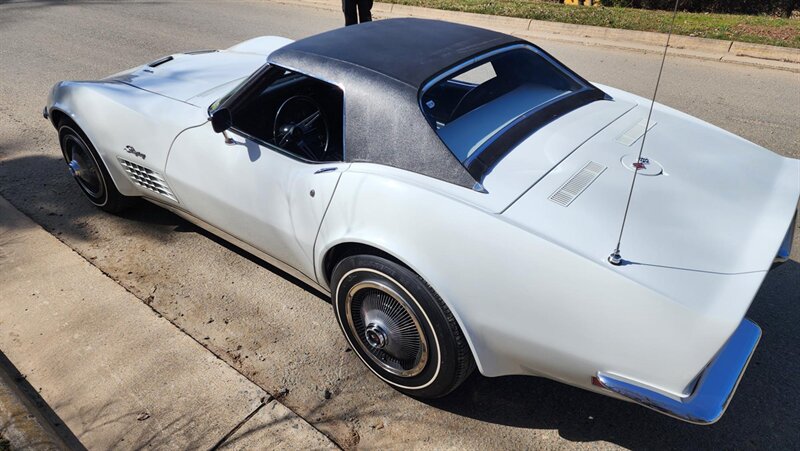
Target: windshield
(239, 88)
(479, 101)
(222, 99)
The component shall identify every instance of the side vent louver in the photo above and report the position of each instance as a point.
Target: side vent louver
(147, 178)
(576, 184)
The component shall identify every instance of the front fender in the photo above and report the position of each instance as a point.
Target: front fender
(114, 116)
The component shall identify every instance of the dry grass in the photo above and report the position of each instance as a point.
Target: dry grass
(756, 29)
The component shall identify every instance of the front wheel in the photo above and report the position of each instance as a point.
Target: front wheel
(399, 327)
(88, 170)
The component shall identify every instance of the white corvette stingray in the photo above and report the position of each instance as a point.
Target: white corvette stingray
(457, 193)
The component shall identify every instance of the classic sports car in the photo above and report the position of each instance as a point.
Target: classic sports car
(457, 192)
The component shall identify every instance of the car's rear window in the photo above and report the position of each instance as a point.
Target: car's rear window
(478, 101)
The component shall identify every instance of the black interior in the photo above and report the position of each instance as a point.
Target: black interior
(295, 92)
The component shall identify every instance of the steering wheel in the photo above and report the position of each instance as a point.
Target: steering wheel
(301, 127)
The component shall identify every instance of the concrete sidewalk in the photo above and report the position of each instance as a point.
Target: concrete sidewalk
(114, 371)
(763, 56)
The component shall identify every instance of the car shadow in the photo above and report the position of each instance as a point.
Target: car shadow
(59, 206)
(764, 412)
(187, 226)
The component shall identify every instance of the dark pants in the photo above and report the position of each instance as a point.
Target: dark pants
(349, 8)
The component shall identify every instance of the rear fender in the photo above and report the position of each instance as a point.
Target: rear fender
(526, 305)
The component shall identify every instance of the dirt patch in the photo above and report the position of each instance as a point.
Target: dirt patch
(787, 34)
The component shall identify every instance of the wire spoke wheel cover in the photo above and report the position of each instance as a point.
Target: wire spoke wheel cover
(386, 328)
(398, 326)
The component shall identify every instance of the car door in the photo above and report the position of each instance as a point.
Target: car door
(269, 196)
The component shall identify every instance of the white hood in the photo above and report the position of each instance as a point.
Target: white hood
(184, 76)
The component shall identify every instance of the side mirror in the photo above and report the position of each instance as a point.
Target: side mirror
(221, 120)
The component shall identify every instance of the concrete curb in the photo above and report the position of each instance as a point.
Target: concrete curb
(116, 373)
(764, 56)
(19, 422)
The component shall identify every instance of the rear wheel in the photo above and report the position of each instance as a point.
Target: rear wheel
(88, 170)
(399, 327)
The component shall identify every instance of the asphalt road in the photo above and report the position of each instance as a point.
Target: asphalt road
(282, 336)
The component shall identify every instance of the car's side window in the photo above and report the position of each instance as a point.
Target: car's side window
(300, 115)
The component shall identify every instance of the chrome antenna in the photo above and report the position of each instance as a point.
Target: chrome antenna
(616, 258)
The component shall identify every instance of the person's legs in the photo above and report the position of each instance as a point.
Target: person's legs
(349, 9)
(364, 11)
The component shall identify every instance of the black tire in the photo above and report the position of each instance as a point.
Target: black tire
(386, 344)
(97, 185)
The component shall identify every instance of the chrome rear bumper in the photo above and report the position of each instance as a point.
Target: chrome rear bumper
(715, 386)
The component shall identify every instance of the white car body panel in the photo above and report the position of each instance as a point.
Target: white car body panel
(190, 75)
(543, 150)
(252, 192)
(151, 123)
(114, 116)
(534, 327)
(526, 278)
(701, 285)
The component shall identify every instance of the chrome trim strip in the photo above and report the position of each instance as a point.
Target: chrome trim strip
(490, 54)
(242, 245)
(714, 389)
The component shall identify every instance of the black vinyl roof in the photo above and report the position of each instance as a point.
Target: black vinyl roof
(407, 50)
(381, 67)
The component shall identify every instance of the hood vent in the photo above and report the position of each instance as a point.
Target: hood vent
(634, 133)
(200, 52)
(576, 184)
(147, 178)
(161, 61)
